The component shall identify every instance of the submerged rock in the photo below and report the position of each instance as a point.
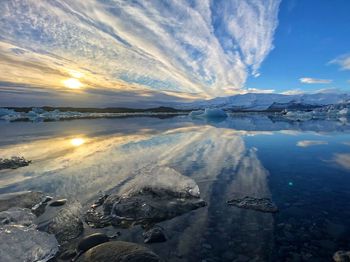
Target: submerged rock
(17, 216)
(341, 256)
(119, 251)
(13, 162)
(153, 196)
(67, 224)
(258, 204)
(18, 243)
(154, 235)
(24, 199)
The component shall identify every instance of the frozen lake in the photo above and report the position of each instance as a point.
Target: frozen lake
(303, 166)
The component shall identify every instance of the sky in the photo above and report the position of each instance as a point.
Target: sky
(147, 53)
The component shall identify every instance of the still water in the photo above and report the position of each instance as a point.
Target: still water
(304, 167)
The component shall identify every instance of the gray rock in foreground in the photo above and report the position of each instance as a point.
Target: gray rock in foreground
(119, 251)
(19, 243)
(258, 204)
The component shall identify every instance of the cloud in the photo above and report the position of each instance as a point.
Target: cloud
(307, 143)
(342, 160)
(293, 92)
(342, 61)
(308, 80)
(201, 47)
(256, 91)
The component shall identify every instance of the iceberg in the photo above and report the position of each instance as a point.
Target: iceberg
(214, 113)
(209, 113)
(9, 114)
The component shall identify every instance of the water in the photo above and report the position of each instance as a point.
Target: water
(303, 166)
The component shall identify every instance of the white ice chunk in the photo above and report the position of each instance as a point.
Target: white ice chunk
(209, 113)
(19, 243)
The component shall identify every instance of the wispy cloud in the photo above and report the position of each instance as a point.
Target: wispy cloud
(293, 92)
(204, 47)
(309, 80)
(342, 61)
(307, 143)
(342, 160)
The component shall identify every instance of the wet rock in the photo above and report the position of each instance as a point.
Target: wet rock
(341, 256)
(119, 251)
(24, 199)
(99, 201)
(57, 203)
(13, 162)
(90, 241)
(97, 219)
(154, 235)
(18, 216)
(258, 204)
(67, 224)
(68, 254)
(19, 243)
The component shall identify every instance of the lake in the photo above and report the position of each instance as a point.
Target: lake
(303, 166)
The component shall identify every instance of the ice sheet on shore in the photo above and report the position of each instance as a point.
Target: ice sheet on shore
(39, 114)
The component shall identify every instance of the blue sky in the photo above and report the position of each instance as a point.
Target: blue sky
(132, 53)
(309, 36)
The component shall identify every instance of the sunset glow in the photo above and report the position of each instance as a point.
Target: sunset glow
(72, 83)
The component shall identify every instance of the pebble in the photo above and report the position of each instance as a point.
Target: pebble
(57, 203)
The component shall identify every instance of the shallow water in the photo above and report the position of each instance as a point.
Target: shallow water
(303, 166)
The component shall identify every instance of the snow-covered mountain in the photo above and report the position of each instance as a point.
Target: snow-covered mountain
(258, 101)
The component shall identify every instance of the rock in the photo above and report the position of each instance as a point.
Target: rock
(13, 162)
(57, 203)
(99, 201)
(96, 219)
(18, 216)
(90, 241)
(18, 243)
(341, 256)
(24, 199)
(154, 235)
(258, 204)
(119, 251)
(68, 254)
(67, 225)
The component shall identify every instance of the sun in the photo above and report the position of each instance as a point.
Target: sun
(77, 141)
(72, 83)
